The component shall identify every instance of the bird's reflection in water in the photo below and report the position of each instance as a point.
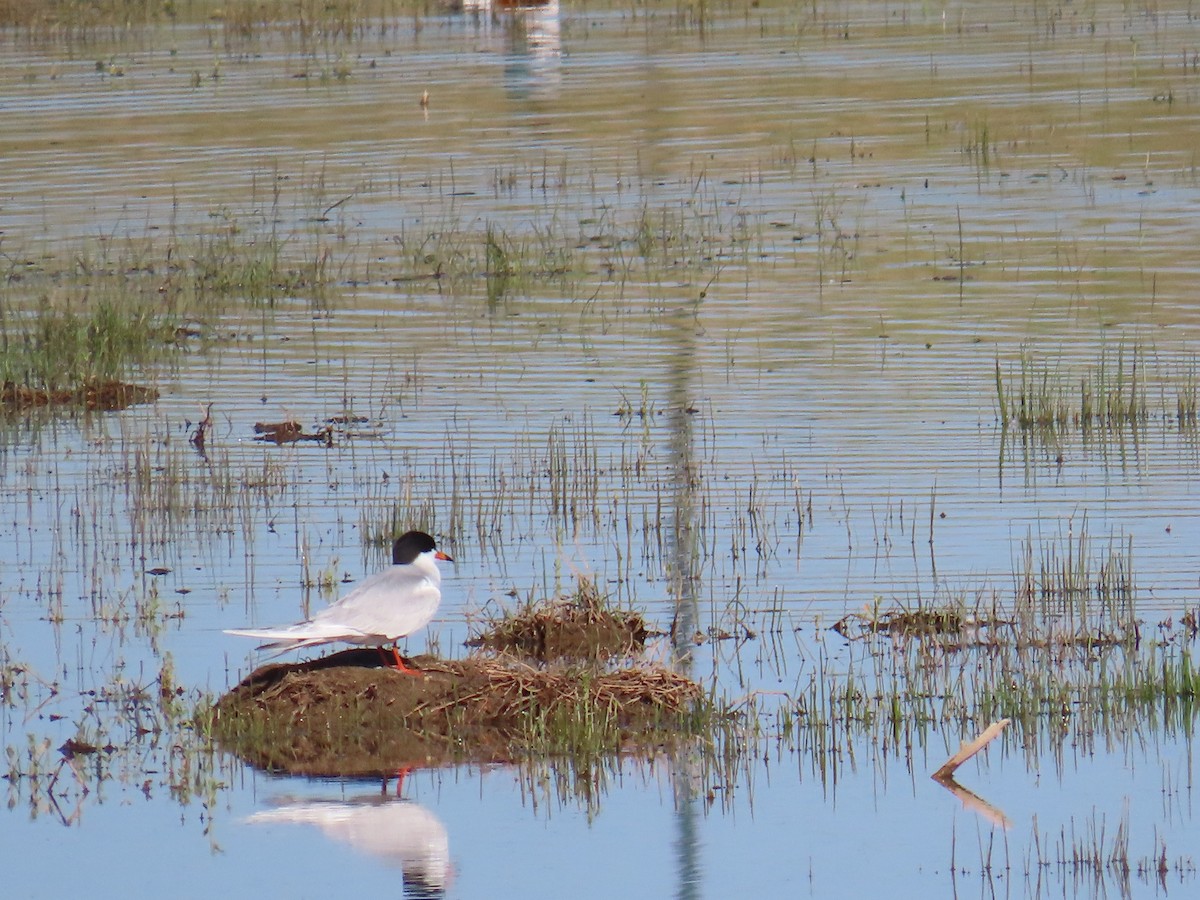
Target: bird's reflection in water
(533, 46)
(398, 832)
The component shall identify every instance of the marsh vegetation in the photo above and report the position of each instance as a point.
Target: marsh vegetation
(830, 369)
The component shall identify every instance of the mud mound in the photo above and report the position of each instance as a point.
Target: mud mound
(291, 431)
(581, 626)
(902, 622)
(102, 396)
(346, 715)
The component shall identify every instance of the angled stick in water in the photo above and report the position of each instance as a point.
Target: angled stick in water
(966, 751)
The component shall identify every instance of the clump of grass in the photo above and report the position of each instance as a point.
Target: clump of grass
(581, 625)
(1070, 595)
(63, 346)
(1044, 398)
(1187, 392)
(119, 307)
(1089, 691)
(1069, 582)
(416, 506)
(234, 259)
(501, 267)
(979, 143)
(457, 255)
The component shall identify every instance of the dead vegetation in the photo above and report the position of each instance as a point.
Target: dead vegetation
(579, 626)
(543, 686)
(346, 715)
(291, 431)
(101, 396)
(904, 622)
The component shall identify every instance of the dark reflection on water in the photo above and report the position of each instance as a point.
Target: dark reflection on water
(684, 570)
(684, 575)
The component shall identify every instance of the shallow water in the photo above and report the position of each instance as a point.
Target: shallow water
(796, 246)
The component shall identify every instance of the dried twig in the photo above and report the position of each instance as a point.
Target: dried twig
(200, 435)
(966, 751)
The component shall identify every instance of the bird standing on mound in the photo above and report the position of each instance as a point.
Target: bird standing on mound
(384, 608)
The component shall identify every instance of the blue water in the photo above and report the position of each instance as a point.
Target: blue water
(830, 398)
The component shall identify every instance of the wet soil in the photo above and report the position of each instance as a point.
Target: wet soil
(289, 432)
(103, 396)
(347, 715)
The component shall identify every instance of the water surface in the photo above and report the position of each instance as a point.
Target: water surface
(778, 254)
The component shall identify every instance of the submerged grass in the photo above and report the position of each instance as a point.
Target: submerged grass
(127, 733)
(112, 307)
(118, 308)
(1113, 393)
(1086, 593)
(323, 21)
(1065, 658)
(897, 691)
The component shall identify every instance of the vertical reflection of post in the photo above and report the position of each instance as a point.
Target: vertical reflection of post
(683, 577)
(682, 551)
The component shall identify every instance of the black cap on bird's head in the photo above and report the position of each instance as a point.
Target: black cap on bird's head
(412, 544)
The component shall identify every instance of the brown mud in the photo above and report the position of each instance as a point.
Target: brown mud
(101, 396)
(289, 432)
(347, 715)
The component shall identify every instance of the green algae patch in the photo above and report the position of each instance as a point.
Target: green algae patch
(347, 715)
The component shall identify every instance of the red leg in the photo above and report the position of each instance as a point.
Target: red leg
(400, 666)
(400, 773)
(400, 779)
